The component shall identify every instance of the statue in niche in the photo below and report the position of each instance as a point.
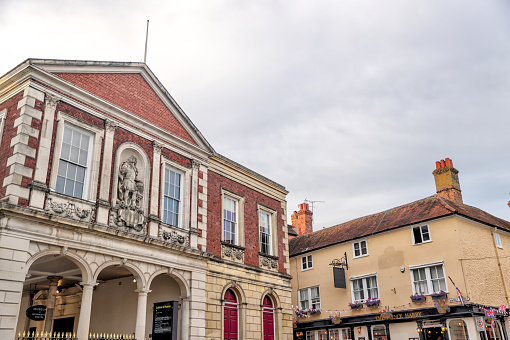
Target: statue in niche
(128, 210)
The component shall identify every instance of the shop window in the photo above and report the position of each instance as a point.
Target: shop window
(494, 333)
(379, 333)
(340, 334)
(306, 262)
(421, 234)
(428, 279)
(458, 330)
(359, 249)
(364, 288)
(320, 334)
(310, 298)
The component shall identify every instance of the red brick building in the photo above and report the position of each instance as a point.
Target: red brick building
(113, 203)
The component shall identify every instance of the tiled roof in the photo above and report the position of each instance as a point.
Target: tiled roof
(420, 211)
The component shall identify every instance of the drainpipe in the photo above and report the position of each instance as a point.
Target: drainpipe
(499, 266)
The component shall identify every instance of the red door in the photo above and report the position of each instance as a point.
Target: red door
(230, 316)
(268, 319)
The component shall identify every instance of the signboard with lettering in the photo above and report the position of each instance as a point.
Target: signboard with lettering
(164, 325)
(37, 313)
(400, 316)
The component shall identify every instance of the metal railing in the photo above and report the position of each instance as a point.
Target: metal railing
(72, 336)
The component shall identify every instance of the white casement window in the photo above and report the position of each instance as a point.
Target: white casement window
(306, 262)
(340, 334)
(359, 249)
(74, 163)
(321, 334)
(364, 287)
(172, 196)
(421, 234)
(267, 231)
(428, 278)
(497, 238)
(310, 298)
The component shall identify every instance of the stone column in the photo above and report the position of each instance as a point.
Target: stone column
(155, 185)
(194, 204)
(43, 155)
(106, 171)
(141, 313)
(85, 310)
(185, 318)
(50, 302)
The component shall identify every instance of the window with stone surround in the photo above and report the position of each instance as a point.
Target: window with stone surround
(232, 211)
(175, 193)
(75, 165)
(267, 230)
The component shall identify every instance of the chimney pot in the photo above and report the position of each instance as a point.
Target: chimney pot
(447, 180)
(302, 220)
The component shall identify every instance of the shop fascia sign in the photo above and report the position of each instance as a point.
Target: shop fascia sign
(400, 316)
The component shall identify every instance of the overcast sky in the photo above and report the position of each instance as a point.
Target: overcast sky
(350, 102)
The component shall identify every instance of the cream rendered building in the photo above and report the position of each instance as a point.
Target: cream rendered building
(417, 249)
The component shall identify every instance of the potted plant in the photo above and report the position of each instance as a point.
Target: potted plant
(418, 298)
(312, 311)
(355, 305)
(373, 302)
(439, 295)
(386, 314)
(335, 318)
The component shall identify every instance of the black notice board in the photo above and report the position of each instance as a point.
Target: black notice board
(339, 277)
(164, 321)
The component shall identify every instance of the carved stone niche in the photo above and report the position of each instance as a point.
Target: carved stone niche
(130, 190)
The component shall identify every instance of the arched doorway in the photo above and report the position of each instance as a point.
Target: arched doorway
(231, 316)
(268, 318)
(52, 281)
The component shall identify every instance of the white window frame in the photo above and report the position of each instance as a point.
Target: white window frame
(360, 249)
(320, 334)
(304, 265)
(239, 239)
(428, 277)
(497, 239)
(183, 219)
(365, 286)
(309, 297)
(339, 333)
(3, 114)
(92, 171)
(421, 234)
(273, 248)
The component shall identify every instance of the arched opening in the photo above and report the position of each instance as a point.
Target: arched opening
(230, 316)
(52, 286)
(115, 300)
(268, 318)
(164, 290)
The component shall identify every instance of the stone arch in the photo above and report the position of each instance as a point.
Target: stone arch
(237, 289)
(270, 293)
(86, 270)
(121, 156)
(177, 276)
(140, 283)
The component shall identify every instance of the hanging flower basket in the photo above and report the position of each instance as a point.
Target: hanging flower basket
(356, 305)
(439, 295)
(336, 320)
(442, 307)
(373, 303)
(294, 325)
(418, 298)
(385, 315)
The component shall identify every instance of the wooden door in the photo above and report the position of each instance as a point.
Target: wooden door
(230, 315)
(268, 319)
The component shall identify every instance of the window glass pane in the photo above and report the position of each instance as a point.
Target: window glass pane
(83, 158)
(417, 235)
(64, 153)
(425, 233)
(78, 189)
(379, 333)
(76, 138)
(69, 187)
(363, 245)
(66, 138)
(346, 334)
(60, 184)
(356, 249)
(74, 156)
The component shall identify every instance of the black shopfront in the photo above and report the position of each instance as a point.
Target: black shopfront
(422, 324)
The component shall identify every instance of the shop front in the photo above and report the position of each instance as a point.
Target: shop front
(467, 322)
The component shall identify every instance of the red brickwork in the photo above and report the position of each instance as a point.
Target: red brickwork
(215, 183)
(132, 93)
(9, 132)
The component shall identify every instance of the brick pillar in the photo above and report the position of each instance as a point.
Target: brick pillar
(447, 180)
(302, 220)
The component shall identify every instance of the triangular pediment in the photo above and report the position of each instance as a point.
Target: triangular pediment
(131, 87)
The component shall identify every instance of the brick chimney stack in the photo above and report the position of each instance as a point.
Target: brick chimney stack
(302, 220)
(447, 180)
